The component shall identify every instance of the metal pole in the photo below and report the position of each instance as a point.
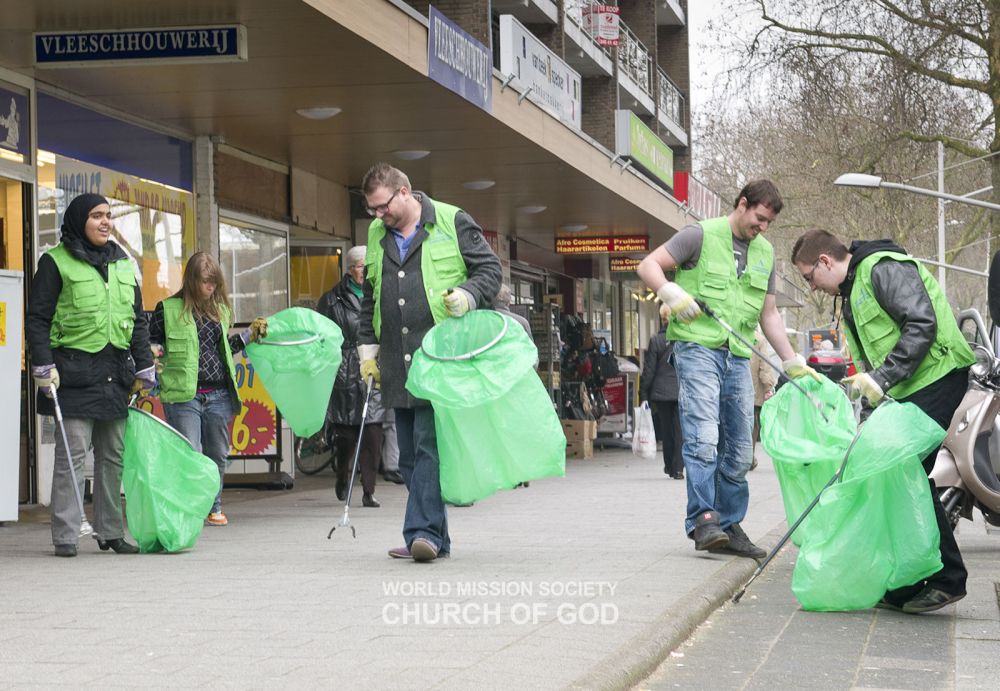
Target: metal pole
(941, 268)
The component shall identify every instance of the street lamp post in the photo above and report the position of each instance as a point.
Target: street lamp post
(874, 181)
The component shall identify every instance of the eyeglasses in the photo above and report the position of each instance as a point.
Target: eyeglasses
(808, 278)
(381, 208)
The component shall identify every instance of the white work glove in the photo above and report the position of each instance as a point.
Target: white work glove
(797, 367)
(368, 355)
(458, 302)
(862, 384)
(681, 304)
(46, 378)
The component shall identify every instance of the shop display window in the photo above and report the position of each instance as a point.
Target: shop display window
(315, 270)
(254, 260)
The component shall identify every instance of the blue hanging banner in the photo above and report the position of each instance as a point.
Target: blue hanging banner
(458, 61)
(146, 46)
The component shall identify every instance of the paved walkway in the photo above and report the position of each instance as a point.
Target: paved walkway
(585, 581)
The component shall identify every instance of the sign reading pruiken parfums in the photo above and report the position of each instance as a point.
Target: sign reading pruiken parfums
(146, 46)
(602, 243)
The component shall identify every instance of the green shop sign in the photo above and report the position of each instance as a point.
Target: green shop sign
(639, 143)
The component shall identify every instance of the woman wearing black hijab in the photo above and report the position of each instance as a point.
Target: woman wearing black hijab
(88, 338)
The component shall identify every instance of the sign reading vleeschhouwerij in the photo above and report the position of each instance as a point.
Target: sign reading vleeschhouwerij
(176, 44)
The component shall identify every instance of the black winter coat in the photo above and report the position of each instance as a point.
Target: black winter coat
(91, 385)
(658, 381)
(348, 398)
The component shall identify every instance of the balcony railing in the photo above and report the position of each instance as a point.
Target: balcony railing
(574, 12)
(669, 98)
(635, 60)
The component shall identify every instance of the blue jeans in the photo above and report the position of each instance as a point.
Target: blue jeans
(204, 420)
(418, 464)
(716, 411)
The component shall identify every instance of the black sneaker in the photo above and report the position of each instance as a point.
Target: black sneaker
(930, 599)
(707, 533)
(739, 544)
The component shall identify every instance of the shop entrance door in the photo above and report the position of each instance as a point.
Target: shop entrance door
(16, 467)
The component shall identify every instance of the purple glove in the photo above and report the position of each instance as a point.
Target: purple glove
(46, 378)
(145, 380)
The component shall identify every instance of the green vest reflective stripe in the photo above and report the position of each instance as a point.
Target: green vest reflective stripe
(179, 378)
(879, 333)
(91, 312)
(737, 300)
(441, 263)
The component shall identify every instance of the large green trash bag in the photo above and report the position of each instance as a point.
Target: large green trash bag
(875, 529)
(879, 531)
(806, 449)
(297, 362)
(495, 424)
(169, 487)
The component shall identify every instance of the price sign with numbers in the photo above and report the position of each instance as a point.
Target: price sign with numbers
(254, 430)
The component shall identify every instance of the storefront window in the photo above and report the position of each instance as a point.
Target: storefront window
(154, 223)
(254, 260)
(315, 270)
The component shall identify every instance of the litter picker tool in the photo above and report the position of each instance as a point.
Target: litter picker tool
(784, 538)
(345, 520)
(710, 312)
(85, 527)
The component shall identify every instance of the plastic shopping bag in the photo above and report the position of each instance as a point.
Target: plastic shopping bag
(169, 487)
(644, 435)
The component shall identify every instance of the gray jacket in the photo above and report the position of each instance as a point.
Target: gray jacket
(406, 316)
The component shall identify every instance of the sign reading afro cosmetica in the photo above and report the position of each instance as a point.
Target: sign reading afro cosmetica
(146, 46)
(459, 62)
(602, 243)
(638, 142)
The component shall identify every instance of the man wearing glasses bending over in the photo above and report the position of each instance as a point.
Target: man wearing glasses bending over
(426, 261)
(726, 263)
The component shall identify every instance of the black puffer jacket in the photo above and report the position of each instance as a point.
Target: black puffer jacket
(92, 385)
(348, 398)
(658, 381)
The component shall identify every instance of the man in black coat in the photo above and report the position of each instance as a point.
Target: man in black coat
(427, 261)
(658, 386)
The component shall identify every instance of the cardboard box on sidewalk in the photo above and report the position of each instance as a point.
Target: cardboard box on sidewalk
(580, 435)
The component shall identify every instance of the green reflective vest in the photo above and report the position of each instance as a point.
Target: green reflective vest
(91, 312)
(737, 300)
(441, 263)
(179, 378)
(879, 333)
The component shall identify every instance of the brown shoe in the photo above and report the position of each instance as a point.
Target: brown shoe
(369, 501)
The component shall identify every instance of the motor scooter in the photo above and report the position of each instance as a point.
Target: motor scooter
(967, 468)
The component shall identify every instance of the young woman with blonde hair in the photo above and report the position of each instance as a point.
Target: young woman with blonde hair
(198, 380)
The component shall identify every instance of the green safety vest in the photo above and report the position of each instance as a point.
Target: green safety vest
(441, 263)
(737, 300)
(879, 333)
(179, 378)
(91, 312)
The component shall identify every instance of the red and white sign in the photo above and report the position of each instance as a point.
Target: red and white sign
(701, 201)
(601, 22)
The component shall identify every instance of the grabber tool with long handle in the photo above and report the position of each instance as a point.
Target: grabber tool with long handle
(85, 527)
(815, 401)
(345, 520)
(784, 538)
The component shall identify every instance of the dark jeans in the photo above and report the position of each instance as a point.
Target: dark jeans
(418, 463)
(670, 430)
(345, 441)
(939, 401)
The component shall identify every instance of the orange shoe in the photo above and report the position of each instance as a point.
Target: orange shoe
(217, 519)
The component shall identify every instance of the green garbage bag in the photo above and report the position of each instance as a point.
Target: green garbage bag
(806, 449)
(169, 487)
(495, 423)
(875, 529)
(297, 363)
